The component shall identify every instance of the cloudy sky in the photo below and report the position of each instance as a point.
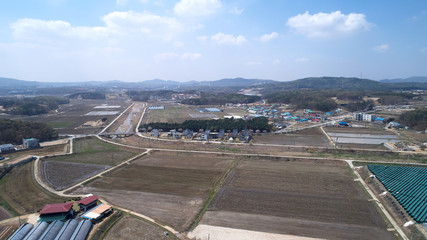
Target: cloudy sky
(135, 40)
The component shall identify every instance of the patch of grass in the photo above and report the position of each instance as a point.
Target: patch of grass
(61, 124)
(212, 195)
(229, 149)
(95, 151)
(361, 163)
(22, 194)
(107, 225)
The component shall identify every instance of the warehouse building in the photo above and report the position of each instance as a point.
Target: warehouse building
(56, 211)
(6, 148)
(30, 142)
(98, 212)
(87, 203)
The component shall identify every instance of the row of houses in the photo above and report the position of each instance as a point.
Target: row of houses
(243, 136)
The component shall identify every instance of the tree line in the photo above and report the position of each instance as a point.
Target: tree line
(260, 123)
(31, 106)
(220, 99)
(88, 95)
(416, 119)
(322, 100)
(13, 131)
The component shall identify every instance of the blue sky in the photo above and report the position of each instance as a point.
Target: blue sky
(135, 40)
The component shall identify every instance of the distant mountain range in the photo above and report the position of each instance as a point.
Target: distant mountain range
(10, 86)
(405, 80)
(155, 83)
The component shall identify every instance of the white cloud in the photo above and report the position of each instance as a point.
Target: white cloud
(126, 24)
(302, 60)
(228, 39)
(151, 24)
(121, 2)
(328, 24)
(196, 7)
(424, 49)
(191, 56)
(381, 48)
(269, 37)
(236, 10)
(40, 30)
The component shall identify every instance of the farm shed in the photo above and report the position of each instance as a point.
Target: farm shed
(7, 147)
(56, 211)
(82, 230)
(21, 232)
(156, 108)
(67, 230)
(53, 230)
(30, 142)
(37, 231)
(88, 202)
(98, 212)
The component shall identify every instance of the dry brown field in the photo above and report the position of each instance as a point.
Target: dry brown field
(53, 173)
(359, 130)
(7, 230)
(21, 192)
(95, 151)
(129, 227)
(305, 198)
(309, 137)
(167, 186)
(70, 117)
(4, 214)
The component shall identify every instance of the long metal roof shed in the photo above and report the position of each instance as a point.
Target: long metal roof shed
(53, 230)
(37, 231)
(22, 231)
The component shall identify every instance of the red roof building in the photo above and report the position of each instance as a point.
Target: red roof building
(88, 200)
(56, 211)
(56, 208)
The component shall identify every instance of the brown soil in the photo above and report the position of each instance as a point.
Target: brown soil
(168, 187)
(129, 227)
(7, 231)
(53, 173)
(21, 192)
(291, 226)
(4, 214)
(320, 195)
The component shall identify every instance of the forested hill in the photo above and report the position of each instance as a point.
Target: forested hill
(341, 83)
(13, 131)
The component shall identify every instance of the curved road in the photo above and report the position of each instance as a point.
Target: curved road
(62, 193)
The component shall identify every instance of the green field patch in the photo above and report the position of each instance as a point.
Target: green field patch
(61, 124)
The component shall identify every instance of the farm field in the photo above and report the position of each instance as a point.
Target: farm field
(179, 113)
(4, 214)
(52, 172)
(6, 231)
(95, 151)
(316, 199)
(129, 227)
(167, 186)
(361, 138)
(21, 192)
(307, 137)
(71, 119)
